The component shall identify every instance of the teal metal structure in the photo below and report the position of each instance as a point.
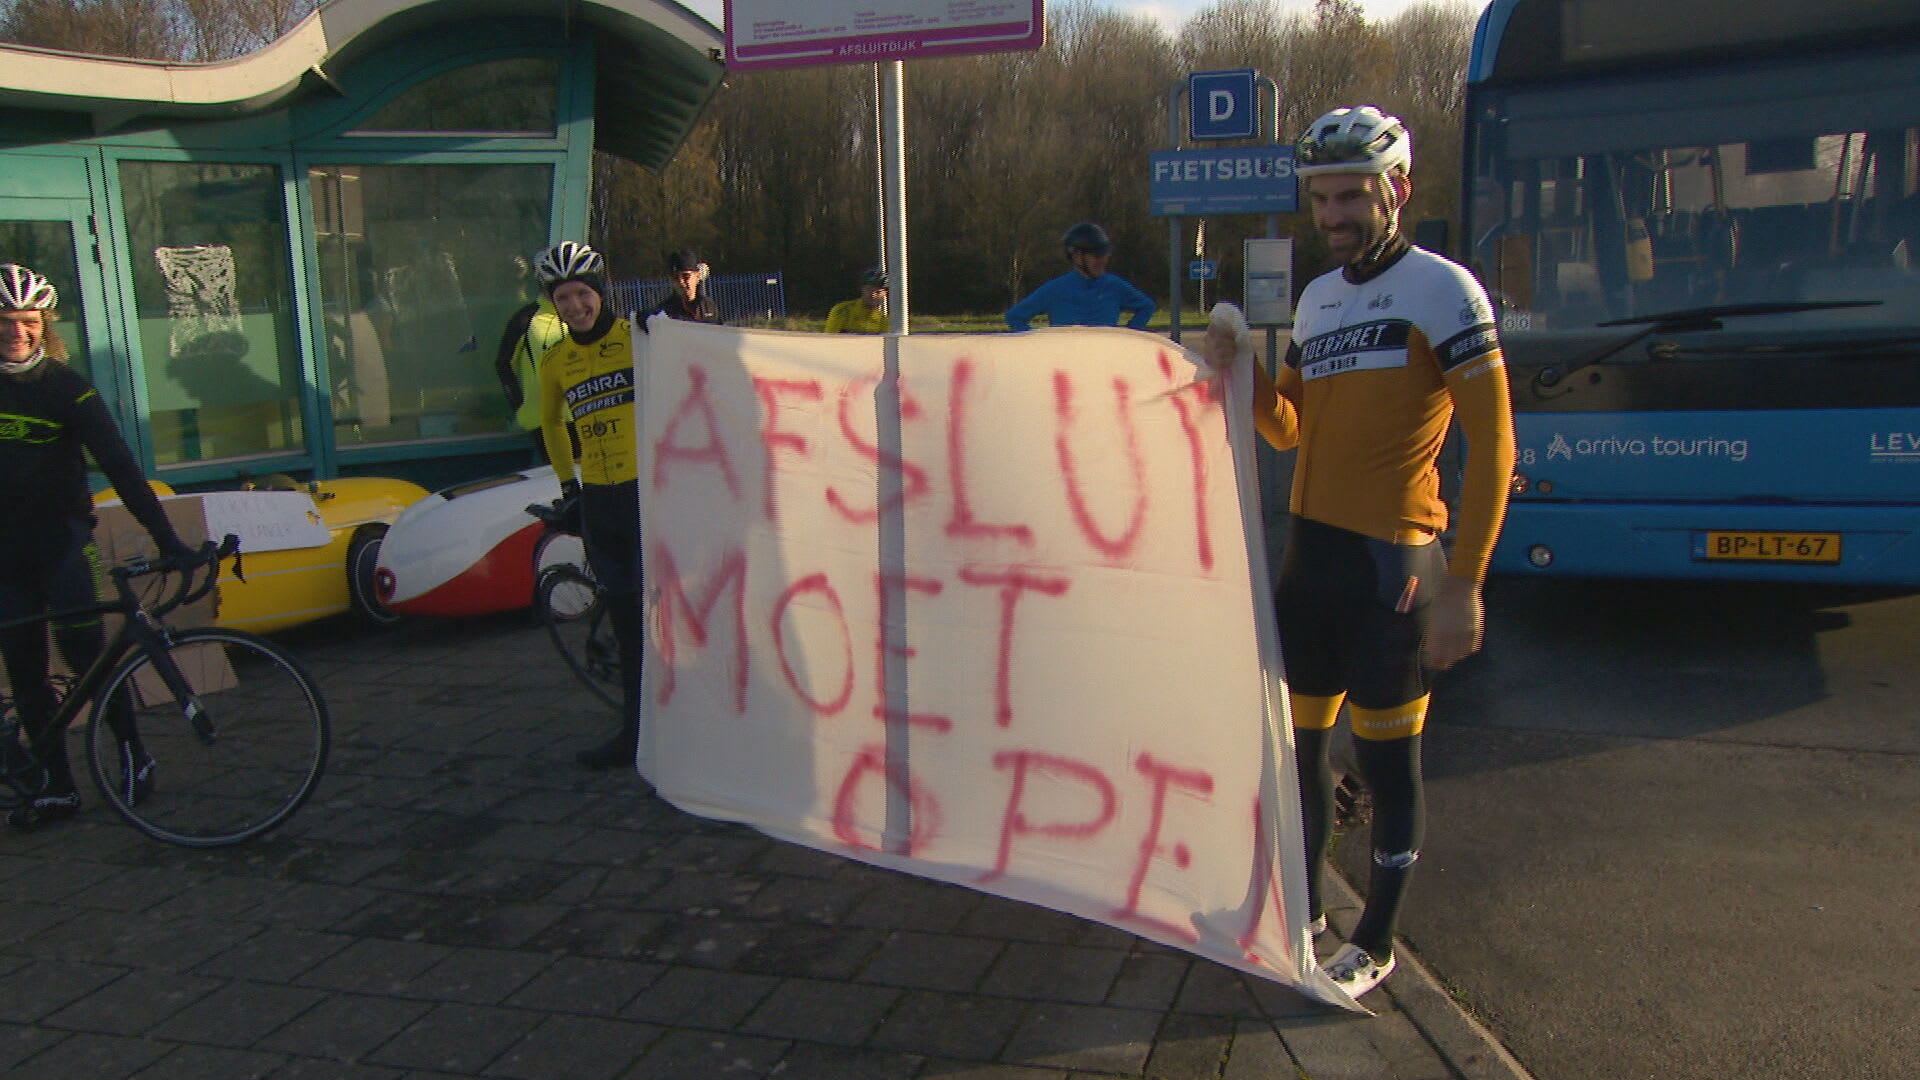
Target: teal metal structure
(300, 261)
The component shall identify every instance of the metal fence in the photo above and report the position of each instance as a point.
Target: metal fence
(743, 299)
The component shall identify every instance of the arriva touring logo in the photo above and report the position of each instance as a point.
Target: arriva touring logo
(1894, 446)
(1708, 446)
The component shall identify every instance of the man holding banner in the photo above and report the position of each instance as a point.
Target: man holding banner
(1386, 351)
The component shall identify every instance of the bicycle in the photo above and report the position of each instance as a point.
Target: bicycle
(237, 726)
(568, 602)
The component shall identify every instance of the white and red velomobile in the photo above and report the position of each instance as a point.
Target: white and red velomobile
(472, 549)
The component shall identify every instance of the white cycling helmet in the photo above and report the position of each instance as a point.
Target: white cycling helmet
(23, 290)
(1361, 139)
(568, 259)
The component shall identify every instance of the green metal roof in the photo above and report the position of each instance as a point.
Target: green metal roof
(658, 65)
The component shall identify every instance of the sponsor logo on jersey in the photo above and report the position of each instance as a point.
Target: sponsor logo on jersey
(601, 384)
(1475, 311)
(1467, 345)
(1371, 345)
(1380, 302)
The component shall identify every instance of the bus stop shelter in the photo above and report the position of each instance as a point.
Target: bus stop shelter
(300, 260)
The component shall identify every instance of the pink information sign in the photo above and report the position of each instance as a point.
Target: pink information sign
(780, 33)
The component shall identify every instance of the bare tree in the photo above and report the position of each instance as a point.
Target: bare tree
(221, 29)
(148, 29)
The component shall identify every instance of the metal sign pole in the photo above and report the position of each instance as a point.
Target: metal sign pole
(1173, 223)
(893, 171)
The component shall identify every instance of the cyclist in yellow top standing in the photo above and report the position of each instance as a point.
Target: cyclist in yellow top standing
(866, 313)
(49, 415)
(588, 379)
(530, 332)
(1386, 351)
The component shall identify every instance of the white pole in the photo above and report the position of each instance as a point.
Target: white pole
(893, 172)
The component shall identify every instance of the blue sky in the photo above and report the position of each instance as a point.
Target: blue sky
(1170, 13)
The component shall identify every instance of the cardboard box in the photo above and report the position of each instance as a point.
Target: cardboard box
(120, 536)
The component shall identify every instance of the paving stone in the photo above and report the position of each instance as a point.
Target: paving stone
(1149, 979)
(841, 1014)
(375, 966)
(1257, 1053)
(460, 1039)
(18, 1042)
(711, 894)
(576, 1046)
(477, 976)
(1190, 1047)
(807, 1061)
(572, 984)
(820, 952)
(960, 1026)
(275, 955)
(1090, 1037)
(1334, 1047)
(621, 935)
(135, 1002)
(1054, 973)
(217, 897)
(240, 1014)
(706, 942)
(796, 899)
(138, 941)
(312, 906)
(931, 961)
(25, 921)
(203, 1062)
(90, 1056)
(973, 1070)
(345, 1027)
(904, 903)
(693, 997)
(706, 1054)
(41, 987)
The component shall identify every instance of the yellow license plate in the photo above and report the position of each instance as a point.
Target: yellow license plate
(1793, 547)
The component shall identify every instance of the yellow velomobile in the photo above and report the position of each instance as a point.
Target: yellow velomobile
(319, 567)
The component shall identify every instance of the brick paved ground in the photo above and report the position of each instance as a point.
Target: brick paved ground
(461, 900)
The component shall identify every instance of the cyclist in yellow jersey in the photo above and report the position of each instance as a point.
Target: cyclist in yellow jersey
(587, 379)
(1387, 351)
(866, 313)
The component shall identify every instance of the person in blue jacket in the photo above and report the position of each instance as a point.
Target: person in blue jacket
(1086, 295)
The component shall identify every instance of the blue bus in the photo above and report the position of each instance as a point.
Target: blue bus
(1700, 221)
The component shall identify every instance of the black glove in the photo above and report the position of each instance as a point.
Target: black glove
(567, 516)
(177, 554)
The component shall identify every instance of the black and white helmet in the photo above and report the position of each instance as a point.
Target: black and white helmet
(23, 290)
(1361, 139)
(568, 259)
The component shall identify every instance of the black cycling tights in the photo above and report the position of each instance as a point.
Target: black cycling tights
(1391, 771)
(53, 568)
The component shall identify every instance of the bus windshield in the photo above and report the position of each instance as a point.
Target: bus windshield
(1567, 240)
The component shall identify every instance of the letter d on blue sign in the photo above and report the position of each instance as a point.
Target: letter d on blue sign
(1223, 104)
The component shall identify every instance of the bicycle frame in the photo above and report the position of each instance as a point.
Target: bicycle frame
(141, 629)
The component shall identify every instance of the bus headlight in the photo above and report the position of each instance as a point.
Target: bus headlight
(1540, 555)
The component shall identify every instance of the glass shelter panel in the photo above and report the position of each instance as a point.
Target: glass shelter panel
(498, 97)
(213, 286)
(420, 267)
(47, 248)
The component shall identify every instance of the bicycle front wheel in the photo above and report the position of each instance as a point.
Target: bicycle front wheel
(570, 604)
(252, 754)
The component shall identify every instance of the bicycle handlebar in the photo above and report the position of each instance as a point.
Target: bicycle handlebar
(191, 587)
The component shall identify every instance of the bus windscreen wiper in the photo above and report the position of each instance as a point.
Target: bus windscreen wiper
(1667, 350)
(1687, 320)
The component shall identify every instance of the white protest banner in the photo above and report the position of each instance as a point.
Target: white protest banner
(999, 632)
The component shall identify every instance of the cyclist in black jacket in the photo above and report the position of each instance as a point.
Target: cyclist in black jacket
(49, 415)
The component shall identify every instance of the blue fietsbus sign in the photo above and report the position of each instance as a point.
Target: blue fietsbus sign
(1243, 180)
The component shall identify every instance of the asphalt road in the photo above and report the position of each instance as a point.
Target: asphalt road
(1674, 831)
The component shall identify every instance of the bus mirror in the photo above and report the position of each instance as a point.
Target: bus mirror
(1431, 233)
